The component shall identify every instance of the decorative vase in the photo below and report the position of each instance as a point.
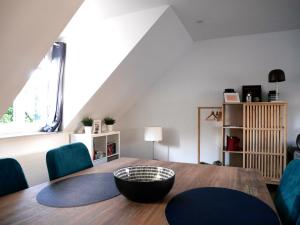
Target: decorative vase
(87, 130)
(110, 128)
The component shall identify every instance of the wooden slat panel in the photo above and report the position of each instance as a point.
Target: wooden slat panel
(280, 142)
(251, 136)
(244, 134)
(264, 138)
(271, 141)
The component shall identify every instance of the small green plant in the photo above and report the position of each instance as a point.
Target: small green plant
(109, 120)
(8, 117)
(87, 122)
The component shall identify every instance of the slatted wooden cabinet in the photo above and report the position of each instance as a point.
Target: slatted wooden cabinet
(264, 145)
(263, 137)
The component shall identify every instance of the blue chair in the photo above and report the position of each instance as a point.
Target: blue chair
(67, 159)
(12, 178)
(287, 199)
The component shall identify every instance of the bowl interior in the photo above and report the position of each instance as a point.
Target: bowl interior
(144, 173)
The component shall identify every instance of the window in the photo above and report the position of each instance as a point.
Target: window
(36, 104)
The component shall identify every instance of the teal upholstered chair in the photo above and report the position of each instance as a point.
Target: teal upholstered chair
(287, 199)
(12, 178)
(67, 159)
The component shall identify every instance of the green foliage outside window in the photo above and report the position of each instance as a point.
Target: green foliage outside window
(8, 116)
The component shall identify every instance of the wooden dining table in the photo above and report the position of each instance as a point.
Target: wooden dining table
(22, 207)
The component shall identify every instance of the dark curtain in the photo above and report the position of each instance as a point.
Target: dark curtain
(58, 62)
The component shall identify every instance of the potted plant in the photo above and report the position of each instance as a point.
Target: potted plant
(109, 122)
(87, 123)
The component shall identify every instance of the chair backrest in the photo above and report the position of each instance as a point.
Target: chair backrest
(67, 159)
(287, 199)
(12, 178)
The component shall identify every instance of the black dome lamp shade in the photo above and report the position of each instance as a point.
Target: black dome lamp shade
(276, 76)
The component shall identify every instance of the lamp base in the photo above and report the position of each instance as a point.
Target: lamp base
(273, 96)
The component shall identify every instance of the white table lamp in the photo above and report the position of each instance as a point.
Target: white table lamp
(153, 134)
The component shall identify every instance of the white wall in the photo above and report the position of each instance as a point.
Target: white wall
(95, 48)
(30, 151)
(199, 79)
(143, 45)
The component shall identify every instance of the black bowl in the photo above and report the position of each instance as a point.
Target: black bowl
(144, 183)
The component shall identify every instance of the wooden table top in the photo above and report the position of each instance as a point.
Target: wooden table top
(22, 207)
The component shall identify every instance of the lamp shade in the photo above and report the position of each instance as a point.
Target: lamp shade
(153, 134)
(276, 75)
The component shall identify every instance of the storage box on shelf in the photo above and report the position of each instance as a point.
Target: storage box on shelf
(102, 147)
(261, 128)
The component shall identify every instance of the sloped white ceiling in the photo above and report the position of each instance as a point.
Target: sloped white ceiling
(28, 29)
(221, 18)
(142, 67)
(225, 18)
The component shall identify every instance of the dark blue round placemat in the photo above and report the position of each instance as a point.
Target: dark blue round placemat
(78, 191)
(218, 206)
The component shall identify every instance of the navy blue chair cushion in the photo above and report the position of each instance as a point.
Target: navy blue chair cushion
(12, 178)
(67, 159)
(287, 199)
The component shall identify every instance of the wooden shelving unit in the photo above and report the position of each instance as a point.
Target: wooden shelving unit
(232, 126)
(262, 130)
(99, 144)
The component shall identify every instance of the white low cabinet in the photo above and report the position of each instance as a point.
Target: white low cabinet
(102, 147)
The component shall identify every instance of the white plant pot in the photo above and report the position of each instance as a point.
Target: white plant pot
(87, 130)
(110, 128)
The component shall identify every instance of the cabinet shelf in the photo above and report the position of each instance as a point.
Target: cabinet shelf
(234, 152)
(112, 155)
(233, 103)
(232, 127)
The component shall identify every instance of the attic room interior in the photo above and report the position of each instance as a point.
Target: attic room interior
(150, 112)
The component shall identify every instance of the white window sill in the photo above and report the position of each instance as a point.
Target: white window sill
(26, 134)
